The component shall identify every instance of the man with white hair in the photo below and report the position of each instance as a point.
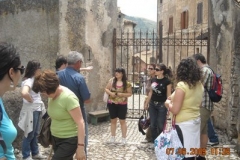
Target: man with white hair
(75, 81)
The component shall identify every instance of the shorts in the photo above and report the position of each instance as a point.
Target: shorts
(205, 115)
(117, 110)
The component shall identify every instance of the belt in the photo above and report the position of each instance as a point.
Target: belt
(156, 102)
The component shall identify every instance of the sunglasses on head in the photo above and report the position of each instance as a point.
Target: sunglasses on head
(151, 68)
(119, 70)
(22, 69)
(157, 69)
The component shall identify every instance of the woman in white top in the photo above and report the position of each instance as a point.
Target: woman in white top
(30, 115)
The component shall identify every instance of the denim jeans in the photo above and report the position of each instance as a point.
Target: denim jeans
(212, 135)
(30, 143)
(83, 110)
(158, 113)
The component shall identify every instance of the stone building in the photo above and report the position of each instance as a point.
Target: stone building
(222, 19)
(183, 22)
(43, 29)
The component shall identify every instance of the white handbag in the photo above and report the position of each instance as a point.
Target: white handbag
(105, 97)
(168, 143)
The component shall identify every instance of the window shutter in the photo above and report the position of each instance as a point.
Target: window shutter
(198, 14)
(186, 20)
(170, 29)
(182, 21)
(201, 12)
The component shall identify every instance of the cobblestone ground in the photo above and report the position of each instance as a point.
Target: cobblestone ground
(100, 149)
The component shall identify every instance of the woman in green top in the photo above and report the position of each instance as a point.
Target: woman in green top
(67, 126)
(118, 89)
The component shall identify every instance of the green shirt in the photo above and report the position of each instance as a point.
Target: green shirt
(63, 125)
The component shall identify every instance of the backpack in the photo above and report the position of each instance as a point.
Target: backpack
(216, 91)
(45, 136)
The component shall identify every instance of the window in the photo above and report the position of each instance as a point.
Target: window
(197, 50)
(199, 13)
(170, 29)
(184, 20)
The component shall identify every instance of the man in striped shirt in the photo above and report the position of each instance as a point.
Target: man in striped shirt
(207, 105)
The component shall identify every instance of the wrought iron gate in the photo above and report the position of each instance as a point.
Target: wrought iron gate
(135, 50)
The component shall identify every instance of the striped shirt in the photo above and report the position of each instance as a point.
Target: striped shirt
(207, 83)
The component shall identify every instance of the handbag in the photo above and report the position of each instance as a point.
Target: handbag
(105, 95)
(143, 122)
(168, 142)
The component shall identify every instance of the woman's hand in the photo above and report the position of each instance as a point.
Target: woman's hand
(113, 94)
(80, 153)
(168, 104)
(146, 106)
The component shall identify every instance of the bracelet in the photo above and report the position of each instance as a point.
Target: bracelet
(80, 144)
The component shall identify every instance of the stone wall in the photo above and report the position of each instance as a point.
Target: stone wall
(43, 29)
(224, 22)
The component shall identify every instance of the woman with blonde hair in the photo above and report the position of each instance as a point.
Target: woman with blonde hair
(118, 89)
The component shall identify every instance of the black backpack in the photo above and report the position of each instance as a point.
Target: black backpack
(45, 136)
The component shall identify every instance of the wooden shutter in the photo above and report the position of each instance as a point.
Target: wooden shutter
(199, 13)
(182, 20)
(186, 20)
(170, 29)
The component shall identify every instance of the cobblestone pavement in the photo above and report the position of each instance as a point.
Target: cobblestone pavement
(100, 149)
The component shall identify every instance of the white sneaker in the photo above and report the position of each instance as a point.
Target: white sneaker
(124, 141)
(112, 139)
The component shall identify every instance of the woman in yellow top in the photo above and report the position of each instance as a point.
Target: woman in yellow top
(185, 103)
(118, 89)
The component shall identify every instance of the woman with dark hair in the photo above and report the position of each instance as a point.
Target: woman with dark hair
(161, 88)
(118, 89)
(10, 73)
(185, 103)
(67, 126)
(32, 110)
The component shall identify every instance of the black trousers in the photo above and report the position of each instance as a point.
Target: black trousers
(64, 148)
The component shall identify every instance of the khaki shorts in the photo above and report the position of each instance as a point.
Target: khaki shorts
(205, 115)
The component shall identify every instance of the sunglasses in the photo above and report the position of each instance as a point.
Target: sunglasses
(157, 69)
(151, 68)
(119, 70)
(22, 69)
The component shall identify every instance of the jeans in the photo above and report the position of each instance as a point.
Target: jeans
(212, 135)
(158, 113)
(83, 110)
(30, 143)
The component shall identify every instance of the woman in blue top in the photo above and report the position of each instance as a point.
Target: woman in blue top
(10, 73)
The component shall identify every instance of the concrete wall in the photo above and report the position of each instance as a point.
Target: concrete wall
(42, 29)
